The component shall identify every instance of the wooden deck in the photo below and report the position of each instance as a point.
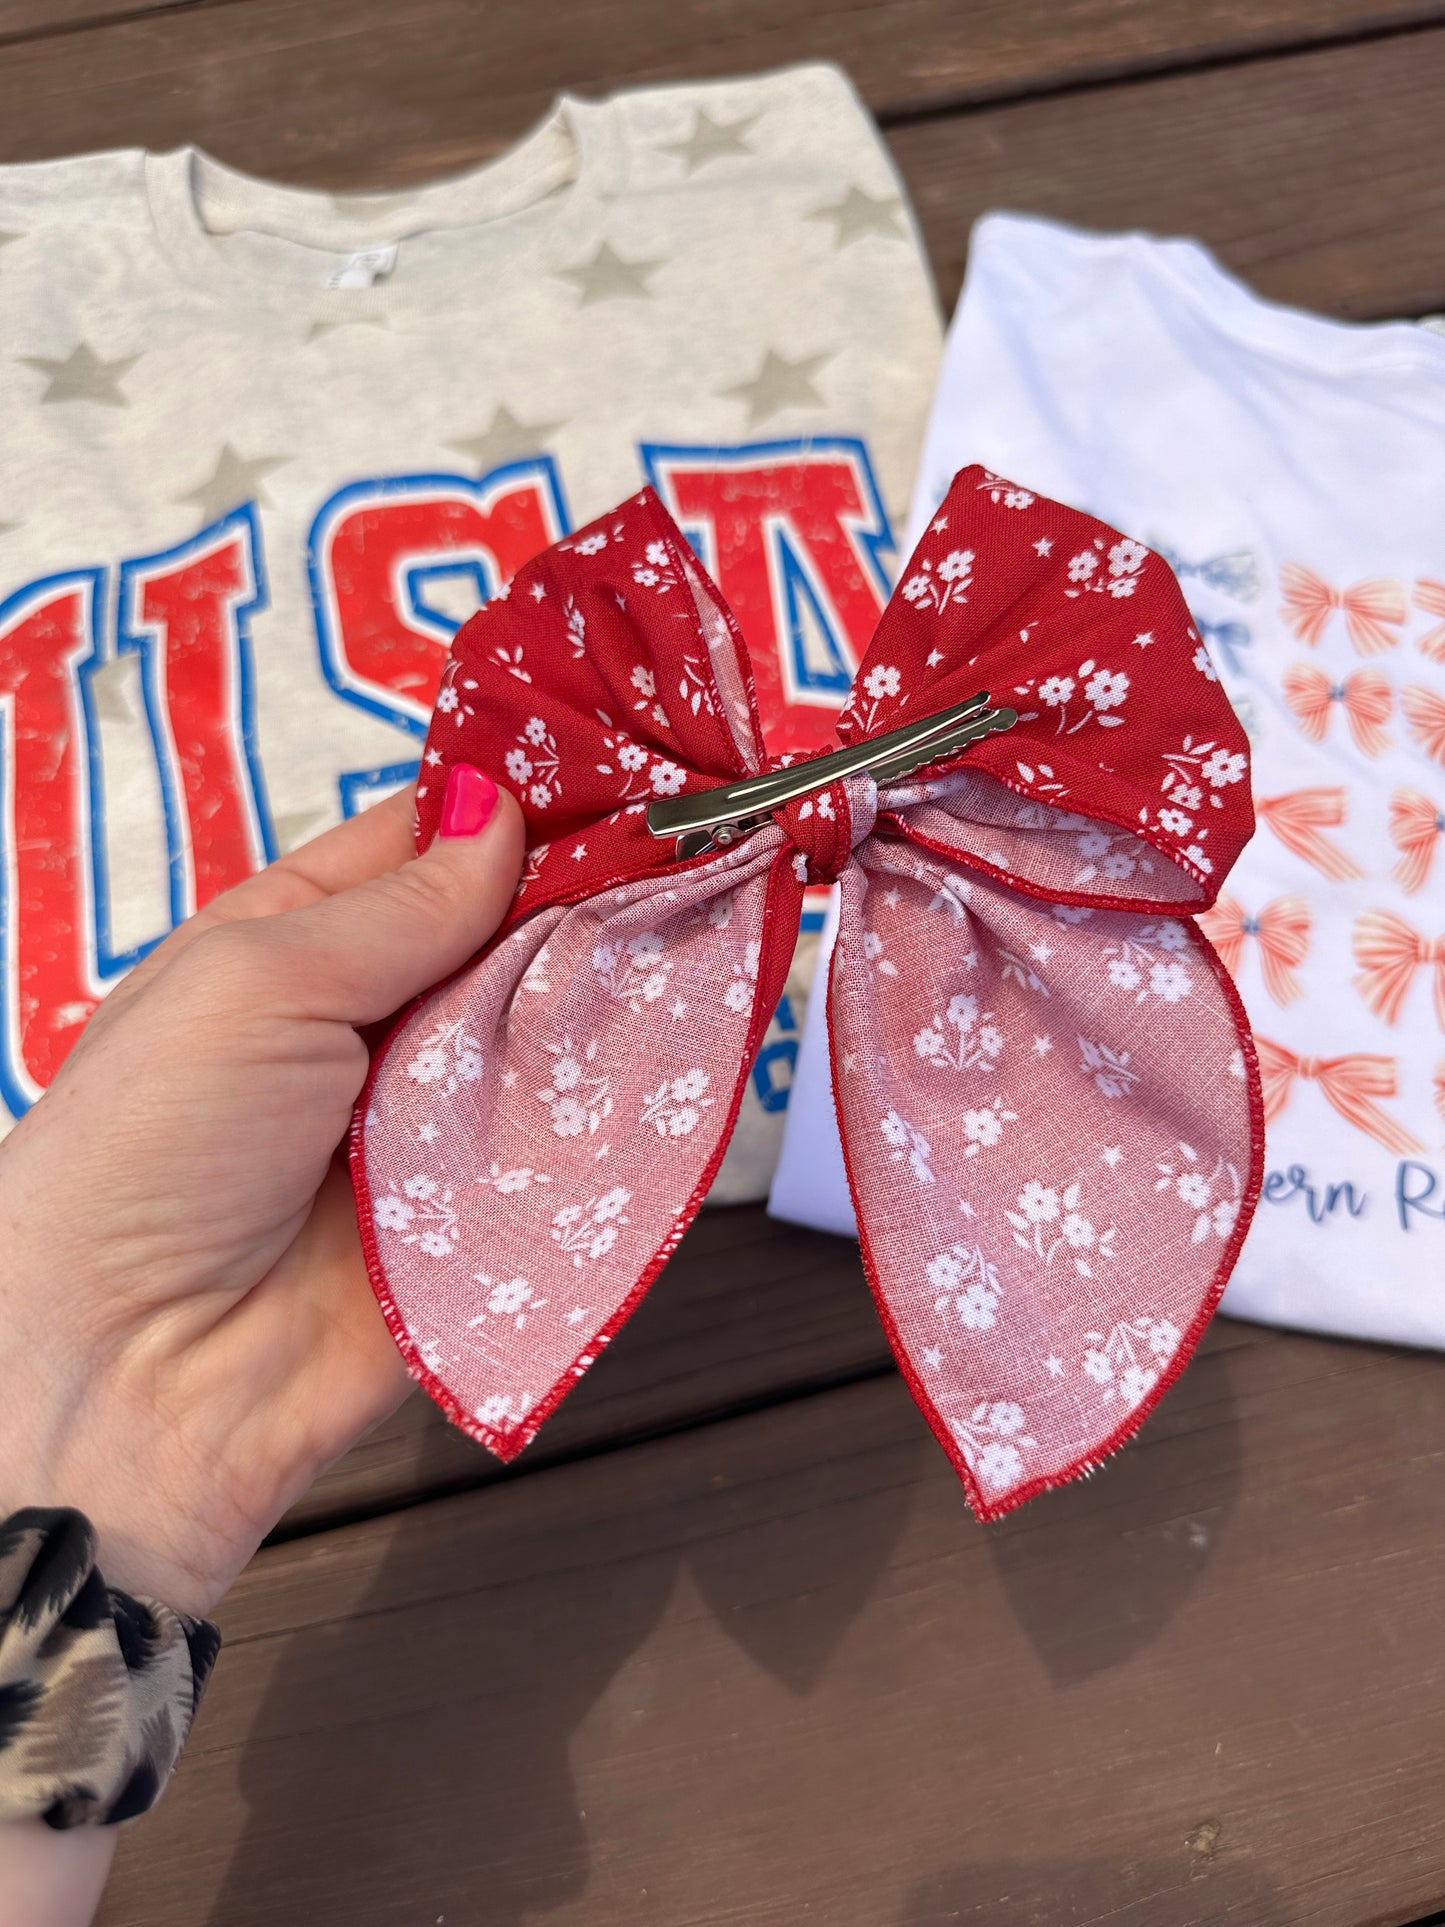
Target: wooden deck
(725, 1646)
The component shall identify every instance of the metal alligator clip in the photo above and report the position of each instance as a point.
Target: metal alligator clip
(713, 819)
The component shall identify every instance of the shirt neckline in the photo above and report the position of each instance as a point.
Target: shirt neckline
(546, 192)
(1324, 343)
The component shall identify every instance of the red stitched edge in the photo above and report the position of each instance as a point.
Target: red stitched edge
(505, 1445)
(984, 1509)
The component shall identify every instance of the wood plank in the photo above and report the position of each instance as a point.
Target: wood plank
(769, 1671)
(29, 19)
(373, 92)
(1285, 167)
(1289, 169)
(748, 1311)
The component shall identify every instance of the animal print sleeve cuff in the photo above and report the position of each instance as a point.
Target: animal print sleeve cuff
(97, 1690)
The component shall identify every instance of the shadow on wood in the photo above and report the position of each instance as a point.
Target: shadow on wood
(748, 1311)
(432, 1757)
(1026, 1894)
(1092, 1584)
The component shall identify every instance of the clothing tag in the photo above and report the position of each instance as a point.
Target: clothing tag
(366, 266)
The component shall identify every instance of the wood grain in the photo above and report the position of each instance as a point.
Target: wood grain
(29, 19)
(770, 1671)
(1314, 177)
(439, 70)
(748, 1311)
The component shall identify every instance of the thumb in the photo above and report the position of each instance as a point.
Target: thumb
(360, 955)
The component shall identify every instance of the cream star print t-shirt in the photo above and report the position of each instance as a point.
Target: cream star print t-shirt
(264, 449)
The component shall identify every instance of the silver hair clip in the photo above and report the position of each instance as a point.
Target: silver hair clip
(713, 819)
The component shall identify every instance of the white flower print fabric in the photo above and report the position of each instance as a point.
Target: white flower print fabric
(1047, 1098)
(1290, 468)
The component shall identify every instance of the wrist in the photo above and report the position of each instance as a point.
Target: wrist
(50, 1878)
(62, 1447)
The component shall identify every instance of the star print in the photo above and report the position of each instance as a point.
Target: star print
(1112, 1156)
(1143, 639)
(433, 756)
(1040, 952)
(576, 1315)
(428, 1132)
(938, 524)
(779, 384)
(1044, 545)
(934, 658)
(504, 439)
(1055, 1367)
(579, 852)
(537, 592)
(509, 1078)
(110, 687)
(710, 140)
(679, 1009)
(892, 898)
(297, 826)
(858, 214)
(1042, 1046)
(234, 479)
(84, 376)
(933, 1356)
(607, 276)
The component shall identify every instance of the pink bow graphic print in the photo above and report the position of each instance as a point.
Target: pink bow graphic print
(1046, 1087)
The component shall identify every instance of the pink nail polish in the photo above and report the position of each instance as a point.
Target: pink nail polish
(470, 798)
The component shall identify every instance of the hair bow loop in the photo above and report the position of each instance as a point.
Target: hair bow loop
(1424, 714)
(1365, 697)
(1430, 596)
(1389, 952)
(1415, 828)
(1048, 1211)
(1373, 610)
(1297, 819)
(1281, 931)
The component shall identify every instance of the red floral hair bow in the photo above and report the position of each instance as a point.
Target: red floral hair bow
(1046, 1088)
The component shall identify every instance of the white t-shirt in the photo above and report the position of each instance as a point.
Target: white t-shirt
(1293, 470)
(263, 449)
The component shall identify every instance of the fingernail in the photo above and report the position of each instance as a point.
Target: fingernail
(470, 798)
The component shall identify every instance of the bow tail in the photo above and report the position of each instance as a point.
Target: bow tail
(1048, 1210)
(1347, 1084)
(1278, 1069)
(1297, 818)
(1373, 612)
(536, 1135)
(1308, 601)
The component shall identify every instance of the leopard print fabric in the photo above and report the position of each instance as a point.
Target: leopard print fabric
(97, 1690)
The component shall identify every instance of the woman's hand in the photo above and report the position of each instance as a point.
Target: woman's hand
(187, 1335)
